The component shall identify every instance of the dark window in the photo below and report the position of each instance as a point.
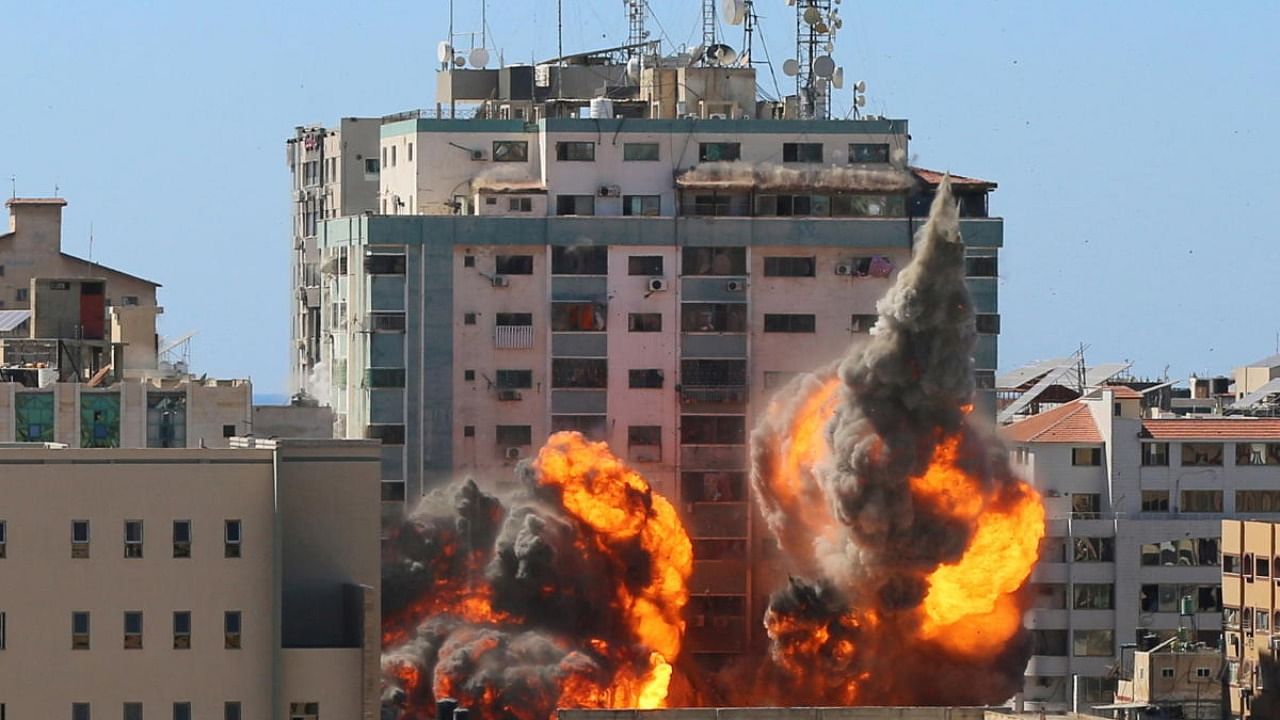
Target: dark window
(987, 324)
(384, 264)
(1257, 453)
(390, 322)
(517, 319)
(132, 630)
(981, 266)
(392, 491)
(510, 151)
(468, 261)
(1202, 454)
(80, 711)
(648, 435)
(593, 427)
(577, 317)
(984, 379)
(1155, 501)
(713, 317)
(713, 430)
(182, 538)
(868, 152)
(231, 629)
(639, 151)
(788, 323)
(713, 486)
(643, 205)
(715, 261)
(642, 379)
(384, 377)
(133, 711)
(228, 431)
(231, 711)
(469, 375)
(1089, 549)
(644, 322)
(469, 431)
(514, 379)
(1086, 506)
(802, 152)
(520, 204)
(388, 434)
(862, 322)
(644, 265)
(469, 318)
(580, 260)
(576, 151)
(232, 538)
(133, 538)
(1186, 551)
(513, 265)
(182, 629)
(713, 373)
(514, 435)
(1257, 501)
(579, 373)
(79, 539)
(1093, 596)
(575, 205)
(716, 205)
(80, 630)
(1086, 456)
(719, 151)
(789, 267)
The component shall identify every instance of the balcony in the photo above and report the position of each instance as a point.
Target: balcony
(513, 337)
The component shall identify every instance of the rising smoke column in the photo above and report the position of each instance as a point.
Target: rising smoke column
(909, 536)
(567, 594)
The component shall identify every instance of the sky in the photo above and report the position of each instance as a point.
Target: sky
(1135, 145)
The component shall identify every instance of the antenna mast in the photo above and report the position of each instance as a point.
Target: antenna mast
(636, 33)
(815, 70)
(708, 23)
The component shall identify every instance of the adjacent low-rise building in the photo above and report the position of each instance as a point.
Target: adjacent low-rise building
(1251, 616)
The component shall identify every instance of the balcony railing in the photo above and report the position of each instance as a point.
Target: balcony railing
(508, 337)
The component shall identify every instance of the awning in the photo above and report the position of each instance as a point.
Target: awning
(10, 319)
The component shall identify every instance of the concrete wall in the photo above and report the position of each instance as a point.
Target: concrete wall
(292, 421)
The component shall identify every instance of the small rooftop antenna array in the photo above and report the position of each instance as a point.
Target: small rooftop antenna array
(708, 23)
(742, 12)
(636, 32)
(813, 67)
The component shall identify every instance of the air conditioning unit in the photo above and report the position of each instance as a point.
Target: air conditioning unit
(657, 285)
(477, 154)
(511, 453)
(735, 286)
(844, 269)
(717, 116)
(610, 191)
(508, 396)
(499, 281)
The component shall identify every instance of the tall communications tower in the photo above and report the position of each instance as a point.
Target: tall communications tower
(813, 67)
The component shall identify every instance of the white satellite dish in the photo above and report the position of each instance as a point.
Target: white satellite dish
(444, 51)
(479, 57)
(633, 69)
(721, 54)
(790, 67)
(812, 15)
(459, 61)
(861, 86)
(824, 66)
(734, 11)
(696, 53)
(837, 78)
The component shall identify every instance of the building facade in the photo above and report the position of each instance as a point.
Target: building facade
(238, 583)
(1251, 611)
(1135, 506)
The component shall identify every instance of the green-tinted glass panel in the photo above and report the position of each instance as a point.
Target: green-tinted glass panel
(100, 420)
(33, 415)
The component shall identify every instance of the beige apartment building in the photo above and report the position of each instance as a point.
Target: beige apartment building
(1251, 613)
(235, 583)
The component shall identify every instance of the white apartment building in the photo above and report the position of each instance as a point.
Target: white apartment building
(1135, 512)
(236, 583)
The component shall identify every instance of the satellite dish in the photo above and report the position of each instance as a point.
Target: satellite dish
(790, 67)
(696, 53)
(459, 61)
(829, 47)
(821, 28)
(860, 100)
(812, 15)
(478, 58)
(444, 51)
(791, 2)
(837, 23)
(824, 66)
(734, 11)
(633, 69)
(721, 54)
(837, 78)
(861, 86)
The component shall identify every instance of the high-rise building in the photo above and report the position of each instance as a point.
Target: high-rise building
(234, 583)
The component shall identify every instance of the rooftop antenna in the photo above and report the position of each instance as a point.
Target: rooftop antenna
(560, 47)
(636, 33)
(13, 186)
(708, 23)
(816, 24)
(90, 241)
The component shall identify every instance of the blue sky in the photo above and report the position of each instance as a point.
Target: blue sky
(1135, 145)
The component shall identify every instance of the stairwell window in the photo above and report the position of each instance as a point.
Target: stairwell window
(133, 630)
(182, 538)
(232, 537)
(182, 630)
(133, 538)
(231, 629)
(80, 630)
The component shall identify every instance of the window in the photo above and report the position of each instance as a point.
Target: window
(469, 261)
(789, 266)
(580, 260)
(1202, 454)
(868, 152)
(643, 205)
(592, 427)
(304, 711)
(1155, 501)
(1089, 596)
(182, 538)
(1262, 621)
(469, 431)
(1183, 551)
(1203, 673)
(513, 379)
(133, 710)
(231, 629)
(575, 205)
(716, 204)
(1049, 596)
(514, 319)
(167, 420)
(469, 318)
(639, 152)
(231, 711)
(644, 379)
(1086, 456)
(1201, 501)
(79, 539)
(371, 166)
(644, 443)
(1258, 501)
(719, 152)
(469, 375)
(388, 322)
(713, 486)
(133, 538)
(1092, 643)
(644, 265)
(1049, 642)
(577, 317)
(862, 322)
(714, 260)
(392, 491)
(231, 539)
(1086, 506)
(385, 377)
(644, 322)
(987, 324)
(182, 710)
(520, 204)
(510, 151)
(777, 378)
(133, 630)
(980, 266)
(713, 430)
(513, 264)
(20, 295)
(859, 205)
(182, 629)
(1094, 549)
(1155, 454)
(713, 317)
(80, 630)
(228, 431)
(514, 435)
(788, 323)
(1258, 453)
(579, 373)
(802, 152)
(384, 264)
(1262, 567)
(713, 373)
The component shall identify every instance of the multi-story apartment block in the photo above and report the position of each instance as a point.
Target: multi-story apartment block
(1251, 614)
(236, 583)
(1135, 507)
(335, 173)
